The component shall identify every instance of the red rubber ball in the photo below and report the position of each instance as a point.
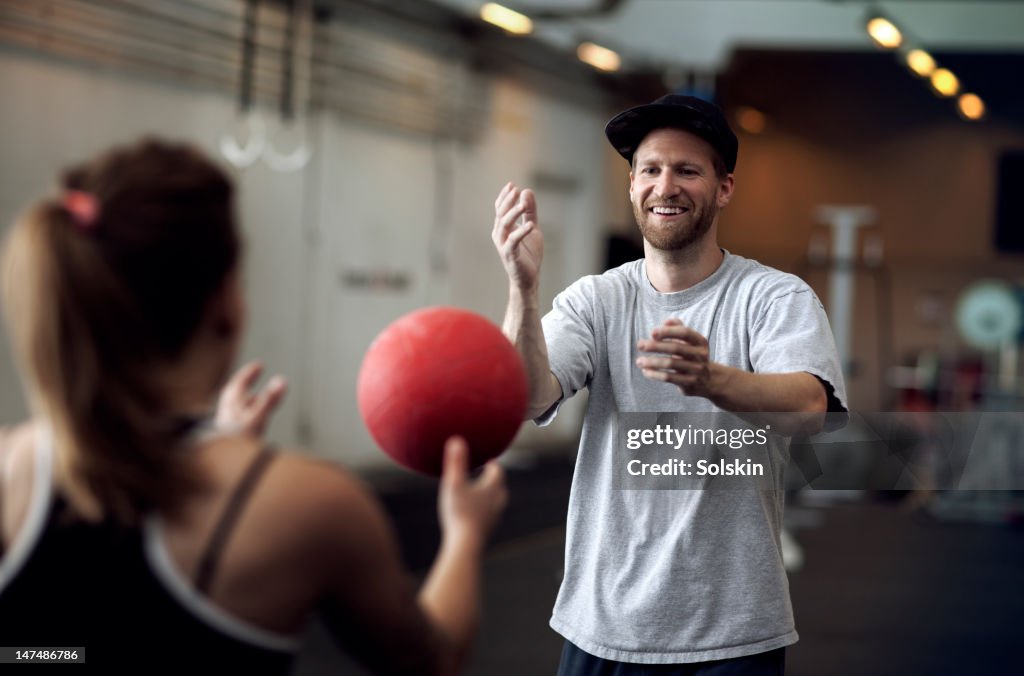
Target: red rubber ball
(437, 372)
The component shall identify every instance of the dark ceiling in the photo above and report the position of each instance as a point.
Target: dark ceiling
(856, 93)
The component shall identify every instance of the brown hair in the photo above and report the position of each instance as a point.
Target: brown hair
(96, 308)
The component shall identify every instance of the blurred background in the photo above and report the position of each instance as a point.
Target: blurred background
(881, 159)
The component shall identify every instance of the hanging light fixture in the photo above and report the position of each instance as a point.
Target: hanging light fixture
(887, 35)
(970, 106)
(506, 19)
(921, 62)
(599, 57)
(944, 82)
(884, 32)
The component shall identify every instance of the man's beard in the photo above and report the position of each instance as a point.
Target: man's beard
(677, 237)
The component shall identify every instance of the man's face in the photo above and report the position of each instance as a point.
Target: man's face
(675, 191)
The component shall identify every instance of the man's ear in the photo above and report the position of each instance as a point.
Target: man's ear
(725, 191)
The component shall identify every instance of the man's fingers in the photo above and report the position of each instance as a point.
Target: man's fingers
(661, 346)
(512, 205)
(666, 364)
(529, 202)
(506, 220)
(679, 379)
(655, 363)
(677, 331)
(503, 222)
(509, 198)
(655, 374)
(517, 236)
(676, 364)
(674, 329)
(506, 201)
(674, 347)
(502, 193)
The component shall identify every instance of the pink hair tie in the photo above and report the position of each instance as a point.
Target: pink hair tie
(83, 207)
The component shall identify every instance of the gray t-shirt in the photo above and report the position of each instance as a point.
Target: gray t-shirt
(666, 576)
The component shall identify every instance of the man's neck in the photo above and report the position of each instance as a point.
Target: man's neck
(670, 271)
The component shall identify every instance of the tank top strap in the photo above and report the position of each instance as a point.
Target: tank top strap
(236, 502)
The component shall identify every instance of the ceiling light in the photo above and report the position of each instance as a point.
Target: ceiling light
(751, 120)
(921, 62)
(505, 18)
(599, 57)
(884, 32)
(945, 83)
(971, 106)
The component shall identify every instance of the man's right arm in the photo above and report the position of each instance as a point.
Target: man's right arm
(523, 327)
(521, 248)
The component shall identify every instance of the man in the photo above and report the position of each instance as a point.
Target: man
(689, 578)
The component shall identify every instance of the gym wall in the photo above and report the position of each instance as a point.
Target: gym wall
(856, 128)
(381, 221)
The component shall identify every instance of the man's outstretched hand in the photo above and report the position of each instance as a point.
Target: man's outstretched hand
(679, 355)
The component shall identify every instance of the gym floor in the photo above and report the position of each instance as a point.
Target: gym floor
(884, 589)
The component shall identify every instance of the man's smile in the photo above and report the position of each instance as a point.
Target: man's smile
(668, 210)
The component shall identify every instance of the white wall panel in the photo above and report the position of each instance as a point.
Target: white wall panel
(372, 202)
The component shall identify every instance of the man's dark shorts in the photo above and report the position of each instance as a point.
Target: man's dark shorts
(576, 662)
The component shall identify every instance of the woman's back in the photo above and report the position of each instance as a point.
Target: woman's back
(169, 592)
(230, 580)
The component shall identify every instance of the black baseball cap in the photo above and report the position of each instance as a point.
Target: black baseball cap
(689, 113)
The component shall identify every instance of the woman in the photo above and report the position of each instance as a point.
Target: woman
(128, 531)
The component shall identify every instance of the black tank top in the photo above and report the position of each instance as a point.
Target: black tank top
(113, 590)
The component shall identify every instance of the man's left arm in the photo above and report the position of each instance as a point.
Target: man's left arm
(735, 390)
(681, 356)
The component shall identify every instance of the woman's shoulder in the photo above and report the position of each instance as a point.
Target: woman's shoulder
(321, 487)
(328, 519)
(293, 476)
(301, 513)
(300, 496)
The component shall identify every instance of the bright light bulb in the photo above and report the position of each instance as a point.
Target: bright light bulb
(921, 62)
(599, 57)
(885, 33)
(945, 83)
(971, 106)
(506, 19)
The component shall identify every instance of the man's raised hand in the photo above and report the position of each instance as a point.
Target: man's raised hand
(520, 243)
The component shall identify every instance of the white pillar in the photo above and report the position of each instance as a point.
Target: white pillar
(844, 221)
